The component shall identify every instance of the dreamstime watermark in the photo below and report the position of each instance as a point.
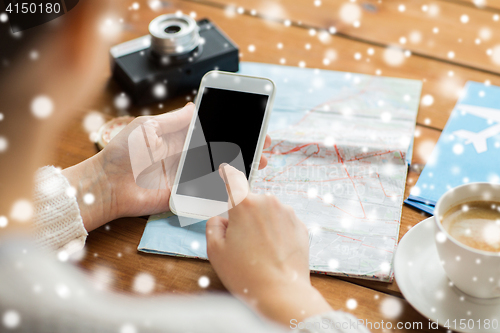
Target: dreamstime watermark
(330, 181)
(356, 324)
(322, 171)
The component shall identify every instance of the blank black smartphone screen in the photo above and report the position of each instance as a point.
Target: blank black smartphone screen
(226, 131)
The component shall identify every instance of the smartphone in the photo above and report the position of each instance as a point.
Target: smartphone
(229, 125)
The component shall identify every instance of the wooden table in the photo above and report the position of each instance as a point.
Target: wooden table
(445, 53)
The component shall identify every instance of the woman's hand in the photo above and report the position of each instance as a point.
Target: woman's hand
(133, 175)
(261, 253)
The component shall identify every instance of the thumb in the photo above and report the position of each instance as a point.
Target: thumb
(216, 233)
(236, 184)
(176, 120)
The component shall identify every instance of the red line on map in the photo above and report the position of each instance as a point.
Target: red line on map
(382, 186)
(340, 160)
(353, 185)
(356, 217)
(372, 155)
(276, 144)
(297, 149)
(373, 247)
(358, 240)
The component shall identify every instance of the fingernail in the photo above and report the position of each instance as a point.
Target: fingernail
(222, 172)
(188, 103)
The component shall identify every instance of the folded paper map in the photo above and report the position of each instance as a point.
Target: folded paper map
(340, 145)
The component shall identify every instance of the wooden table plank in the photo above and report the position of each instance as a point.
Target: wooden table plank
(415, 21)
(489, 5)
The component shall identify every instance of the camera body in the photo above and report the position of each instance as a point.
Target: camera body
(171, 60)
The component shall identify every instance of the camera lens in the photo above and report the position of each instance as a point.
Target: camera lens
(172, 29)
(174, 34)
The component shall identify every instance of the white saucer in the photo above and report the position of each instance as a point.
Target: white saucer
(426, 287)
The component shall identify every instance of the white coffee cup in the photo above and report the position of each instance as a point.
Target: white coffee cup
(473, 271)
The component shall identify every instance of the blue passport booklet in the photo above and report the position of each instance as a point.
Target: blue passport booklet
(468, 149)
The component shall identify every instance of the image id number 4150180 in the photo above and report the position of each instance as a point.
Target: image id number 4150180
(471, 324)
(26, 14)
(33, 7)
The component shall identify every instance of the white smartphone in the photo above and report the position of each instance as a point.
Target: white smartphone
(229, 125)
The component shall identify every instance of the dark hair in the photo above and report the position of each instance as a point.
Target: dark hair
(15, 47)
(11, 43)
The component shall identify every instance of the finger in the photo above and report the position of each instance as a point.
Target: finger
(267, 142)
(174, 121)
(263, 162)
(215, 232)
(236, 184)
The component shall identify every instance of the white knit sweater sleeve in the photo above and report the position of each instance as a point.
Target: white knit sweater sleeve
(57, 220)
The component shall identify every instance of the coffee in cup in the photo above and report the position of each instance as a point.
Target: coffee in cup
(475, 224)
(467, 235)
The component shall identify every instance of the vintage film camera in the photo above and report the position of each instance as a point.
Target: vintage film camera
(172, 59)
